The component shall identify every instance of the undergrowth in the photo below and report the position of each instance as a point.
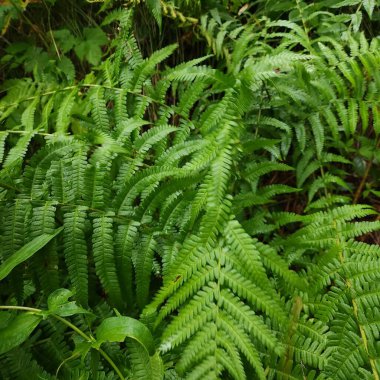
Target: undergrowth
(200, 214)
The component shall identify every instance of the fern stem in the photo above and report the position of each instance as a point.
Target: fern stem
(295, 316)
(323, 176)
(363, 335)
(359, 190)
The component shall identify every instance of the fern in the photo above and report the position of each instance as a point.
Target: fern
(76, 251)
(200, 296)
(340, 307)
(104, 256)
(217, 199)
(46, 261)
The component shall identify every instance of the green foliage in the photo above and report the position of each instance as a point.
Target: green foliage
(15, 331)
(164, 218)
(24, 253)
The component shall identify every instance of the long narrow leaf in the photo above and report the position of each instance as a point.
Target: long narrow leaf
(24, 253)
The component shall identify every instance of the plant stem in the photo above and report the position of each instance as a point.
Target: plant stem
(90, 339)
(112, 363)
(21, 308)
(73, 327)
(359, 190)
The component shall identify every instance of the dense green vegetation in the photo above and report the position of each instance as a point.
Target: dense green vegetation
(189, 189)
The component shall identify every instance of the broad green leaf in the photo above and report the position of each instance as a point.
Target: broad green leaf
(58, 304)
(69, 308)
(89, 47)
(58, 298)
(5, 319)
(16, 330)
(24, 253)
(36, 58)
(116, 329)
(369, 5)
(65, 40)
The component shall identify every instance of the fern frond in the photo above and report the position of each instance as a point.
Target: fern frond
(14, 234)
(45, 262)
(3, 137)
(103, 251)
(143, 266)
(64, 112)
(143, 365)
(35, 176)
(75, 251)
(27, 117)
(99, 110)
(145, 69)
(21, 364)
(126, 236)
(17, 153)
(98, 179)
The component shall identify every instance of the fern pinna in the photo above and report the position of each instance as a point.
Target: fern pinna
(191, 222)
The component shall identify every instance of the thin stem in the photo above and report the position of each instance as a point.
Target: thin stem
(90, 339)
(324, 183)
(64, 362)
(26, 132)
(112, 363)
(50, 31)
(359, 190)
(21, 308)
(73, 327)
